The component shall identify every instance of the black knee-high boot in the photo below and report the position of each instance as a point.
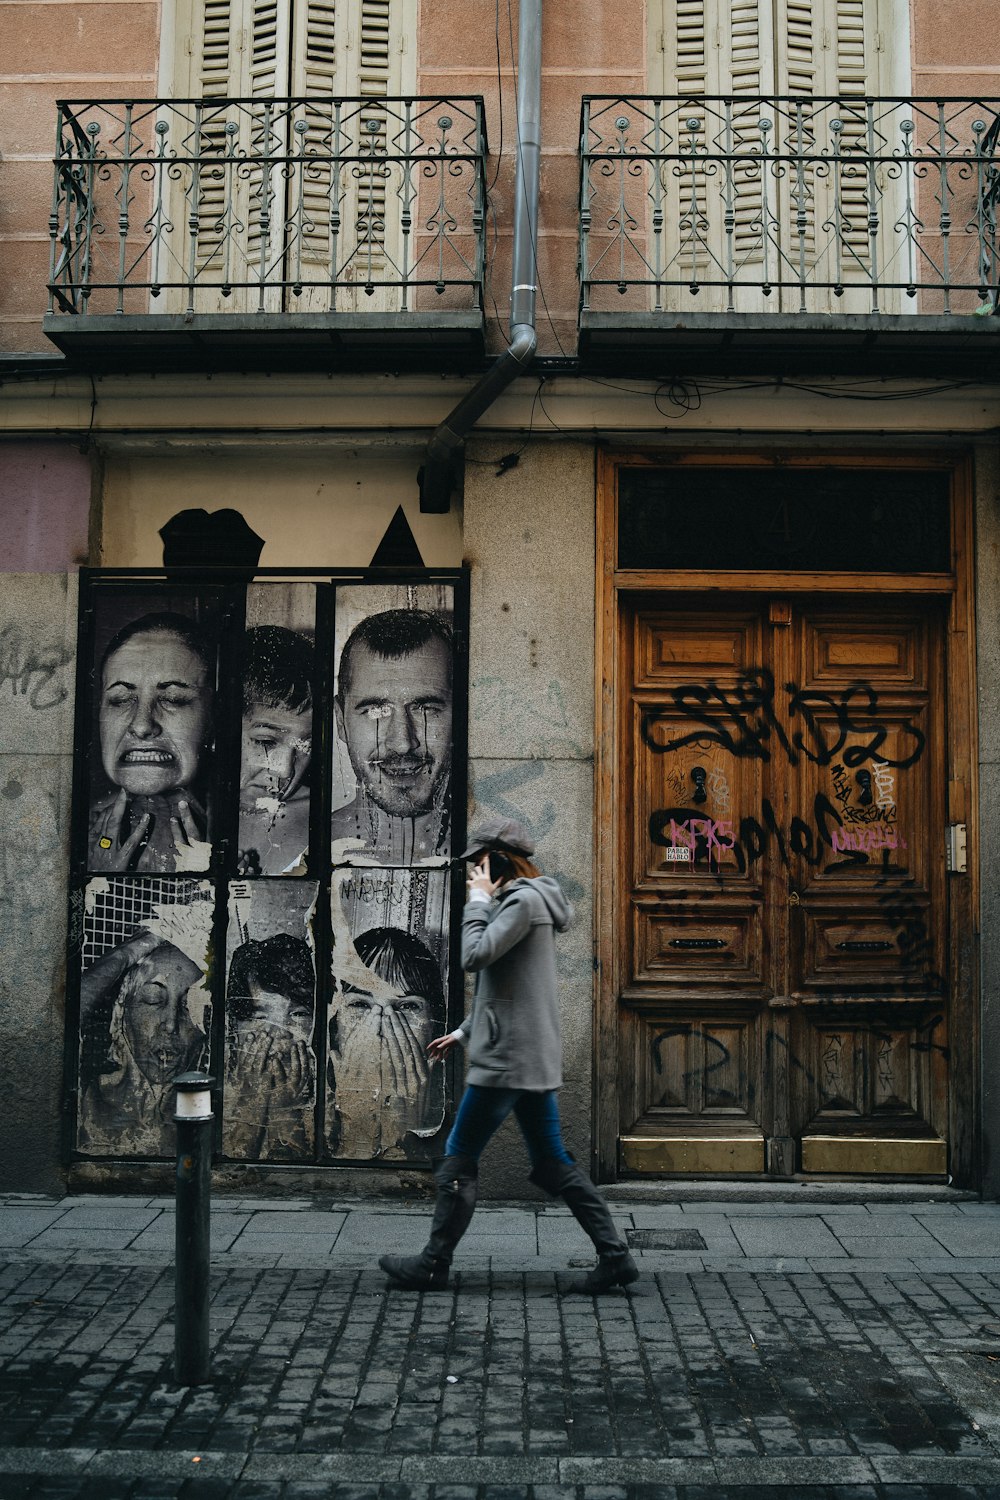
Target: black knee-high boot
(615, 1266)
(457, 1184)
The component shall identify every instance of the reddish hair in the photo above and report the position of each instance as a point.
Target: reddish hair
(523, 869)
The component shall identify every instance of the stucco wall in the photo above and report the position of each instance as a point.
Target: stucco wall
(317, 503)
(529, 537)
(45, 502)
(988, 684)
(38, 631)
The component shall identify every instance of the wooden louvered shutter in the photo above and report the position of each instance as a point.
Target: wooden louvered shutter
(743, 48)
(824, 49)
(239, 50)
(262, 50)
(344, 49)
(713, 47)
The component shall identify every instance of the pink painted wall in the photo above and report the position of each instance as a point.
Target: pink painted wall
(44, 506)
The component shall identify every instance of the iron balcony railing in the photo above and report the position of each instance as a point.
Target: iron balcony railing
(255, 205)
(764, 203)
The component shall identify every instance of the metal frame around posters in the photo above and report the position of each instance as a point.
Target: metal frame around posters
(221, 600)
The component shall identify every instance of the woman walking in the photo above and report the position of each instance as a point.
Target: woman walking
(514, 1060)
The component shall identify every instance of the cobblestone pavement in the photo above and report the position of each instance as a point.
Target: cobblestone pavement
(770, 1347)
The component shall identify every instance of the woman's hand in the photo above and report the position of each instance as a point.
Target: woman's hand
(108, 852)
(439, 1048)
(183, 824)
(479, 881)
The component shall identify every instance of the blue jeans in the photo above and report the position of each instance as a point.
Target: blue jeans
(483, 1111)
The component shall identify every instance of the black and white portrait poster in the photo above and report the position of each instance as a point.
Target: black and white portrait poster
(145, 1008)
(152, 743)
(390, 979)
(392, 756)
(270, 1082)
(278, 690)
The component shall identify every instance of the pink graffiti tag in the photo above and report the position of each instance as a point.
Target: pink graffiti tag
(867, 840)
(716, 834)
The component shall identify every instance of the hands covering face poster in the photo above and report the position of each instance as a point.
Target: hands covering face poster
(270, 1097)
(390, 971)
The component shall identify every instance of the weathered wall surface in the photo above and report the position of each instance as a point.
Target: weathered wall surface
(106, 49)
(45, 493)
(988, 674)
(38, 635)
(319, 504)
(529, 537)
(587, 48)
(953, 47)
(45, 501)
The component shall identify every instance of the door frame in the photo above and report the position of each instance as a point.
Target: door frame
(962, 802)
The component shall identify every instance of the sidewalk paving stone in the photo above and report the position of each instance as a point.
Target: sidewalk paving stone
(224, 1230)
(736, 1374)
(19, 1226)
(778, 1235)
(107, 1216)
(270, 1222)
(975, 1237)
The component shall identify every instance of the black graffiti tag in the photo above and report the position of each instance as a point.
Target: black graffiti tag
(711, 841)
(744, 721)
(34, 672)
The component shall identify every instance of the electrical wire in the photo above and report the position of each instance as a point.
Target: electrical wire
(496, 28)
(509, 460)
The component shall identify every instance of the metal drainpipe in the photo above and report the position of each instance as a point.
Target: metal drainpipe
(437, 477)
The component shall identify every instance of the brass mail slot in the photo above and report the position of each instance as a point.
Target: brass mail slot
(696, 943)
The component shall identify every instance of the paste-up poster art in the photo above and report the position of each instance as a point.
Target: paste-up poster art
(389, 960)
(154, 681)
(270, 1073)
(145, 1008)
(392, 757)
(276, 754)
(203, 811)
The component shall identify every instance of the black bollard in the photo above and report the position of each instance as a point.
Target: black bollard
(193, 1117)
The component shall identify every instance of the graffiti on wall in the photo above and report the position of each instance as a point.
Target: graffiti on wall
(32, 670)
(746, 722)
(844, 734)
(330, 972)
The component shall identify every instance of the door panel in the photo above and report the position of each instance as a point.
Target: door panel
(783, 982)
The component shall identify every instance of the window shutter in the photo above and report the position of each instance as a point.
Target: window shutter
(218, 49)
(217, 76)
(238, 61)
(797, 60)
(346, 48)
(827, 48)
(802, 48)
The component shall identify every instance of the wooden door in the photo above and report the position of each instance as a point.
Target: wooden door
(785, 998)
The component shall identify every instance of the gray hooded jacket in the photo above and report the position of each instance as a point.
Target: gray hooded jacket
(512, 1031)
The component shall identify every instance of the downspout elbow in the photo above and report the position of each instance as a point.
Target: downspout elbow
(437, 476)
